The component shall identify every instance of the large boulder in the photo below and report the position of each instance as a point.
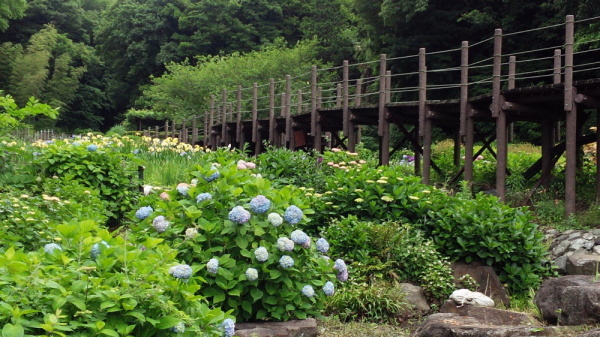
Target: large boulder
(487, 315)
(486, 278)
(454, 325)
(297, 328)
(570, 300)
(415, 297)
(582, 264)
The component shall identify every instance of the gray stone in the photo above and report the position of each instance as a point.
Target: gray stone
(589, 245)
(574, 236)
(569, 231)
(580, 264)
(588, 236)
(454, 325)
(569, 300)
(487, 315)
(596, 250)
(486, 278)
(561, 248)
(591, 333)
(596, 231)
(577, 244)
(561, 264)
(297, 328)
(414, 296)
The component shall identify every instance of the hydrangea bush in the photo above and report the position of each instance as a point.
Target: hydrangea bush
(245, 243)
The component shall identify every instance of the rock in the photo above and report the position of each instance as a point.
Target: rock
(591, 333)
(486, 278)
(561, 264)
(569, 300)
(577, 244)
(487, 315)
(297, 328)
(414, 296)
(561, 248)
(454, 325)
(579, 264)
(466, 297)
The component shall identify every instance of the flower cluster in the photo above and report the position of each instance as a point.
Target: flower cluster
(300, 237)
(50, 247)
(203, 196)
(242, 165)
(191, 233)
(181, 271)
(275, 219)
(95, 252)
(286, 261)
(322, 245)
(183, 188)
(342, 269)
(212, 266)
(213, 176)
(160, 224)
(308, 291)
(260, 204)
(293, 215)
(143, 212)
(261, 254)
(251, 274)
(228, 326)
(92, 147)
(285, 244)
(239, 215)
(328, 288)
(178, 328)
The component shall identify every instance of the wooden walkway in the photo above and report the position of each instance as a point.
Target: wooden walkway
(485, 87)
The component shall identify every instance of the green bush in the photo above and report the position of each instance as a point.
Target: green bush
(283, 167)
(391, 252)
(212, 230)
(99, 165)
(89, 283)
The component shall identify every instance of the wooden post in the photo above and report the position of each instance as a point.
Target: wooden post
(388, 86)
(255, 137)
(156, 131)
(224, 136)
(166, 129)
(466, 122)
(338, 96)
(174, 130)
(315, 124)
(184, 132)
(238, 121)
(512, 70)
(345, 100)
(571, 111)
(501, 133)
(272, 111)
(194, 130)
(287, 113)
(424, 121)
(288, 122)
(383, 126)
(211, 122)
(289, 119)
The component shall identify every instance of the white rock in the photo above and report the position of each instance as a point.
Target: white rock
(465, 296)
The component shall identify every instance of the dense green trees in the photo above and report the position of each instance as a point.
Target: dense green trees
(9, 10)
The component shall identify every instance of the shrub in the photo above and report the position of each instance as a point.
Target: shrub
(234, 239)
(93, 284)
(283, 167)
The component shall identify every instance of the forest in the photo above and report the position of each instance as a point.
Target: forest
(96, 60)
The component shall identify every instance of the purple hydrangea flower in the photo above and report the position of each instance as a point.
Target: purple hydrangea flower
(328, 288)
(308, 291)
(160, 224)
(92, 147)
(203, 196)
(293, 215)
(342, 276)
(181, 271)
(212, 266)
(261, 254)
(143, 212)
(239, 215)
(306, 243)
(275, 219)
(50, 247)
(286, 261)
(299, 237)
(340, 265)
(285, 244)
(228, 327)
(260, 204)
(322, 245)
(251, 274)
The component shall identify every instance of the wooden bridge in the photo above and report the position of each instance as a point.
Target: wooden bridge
(484, 88)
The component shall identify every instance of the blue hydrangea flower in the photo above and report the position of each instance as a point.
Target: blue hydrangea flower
(328, 288)
(92, 147)
(49, 142)
(76, 143)
(160, 223)
(260, 204)
(275, 219)
(50, 247)
(299, 237)
(183, 188)
(212, 266)
(251, 274)
(261, 254)
(143, 212)
(181, 271)
(286, 261)
(307, 243)
(342, 276)
(213, 176)
(239, 215)
(293, 215)
(322, 245)
(203, 196)
(228, 327)
(95, 252)
(178, 328)
(308, 291)
(285, 244)
(340, 265)
(136, 151)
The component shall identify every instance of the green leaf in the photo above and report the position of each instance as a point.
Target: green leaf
(167, 322)
(256, 294)
(10, 330)
(241, 241)
(109, 332)
(247, 306)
